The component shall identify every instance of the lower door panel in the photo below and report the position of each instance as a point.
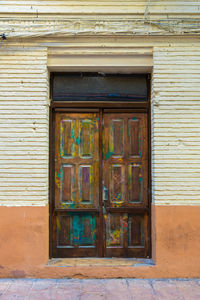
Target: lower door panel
(126, 235)
(76, 234)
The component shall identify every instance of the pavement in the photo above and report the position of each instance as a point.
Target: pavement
(95, 289)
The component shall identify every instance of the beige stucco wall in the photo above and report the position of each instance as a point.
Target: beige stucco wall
(176, 125)
(23, 125)
(93, 6)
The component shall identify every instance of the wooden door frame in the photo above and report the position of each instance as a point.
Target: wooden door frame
(97, 106)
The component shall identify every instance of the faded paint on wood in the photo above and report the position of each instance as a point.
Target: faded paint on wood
(76, 161)
(76, 184)
(125, 158)
(77, 231)
(125, 178)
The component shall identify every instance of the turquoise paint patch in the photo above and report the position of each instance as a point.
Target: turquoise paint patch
(108, 154)
(141, 143)
(83, 229)
(77, 140)
(59, 175)
(72, 133)
(69, 205)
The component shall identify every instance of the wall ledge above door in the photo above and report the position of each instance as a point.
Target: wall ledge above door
(115, 59)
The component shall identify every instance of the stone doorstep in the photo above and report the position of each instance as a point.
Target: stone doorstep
(107, 262)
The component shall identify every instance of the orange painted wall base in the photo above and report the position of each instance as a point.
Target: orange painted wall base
(24, 246)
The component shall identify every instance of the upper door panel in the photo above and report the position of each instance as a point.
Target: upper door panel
(77, 160)
(125, 159)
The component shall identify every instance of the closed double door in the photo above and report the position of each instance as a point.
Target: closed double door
(100, 201)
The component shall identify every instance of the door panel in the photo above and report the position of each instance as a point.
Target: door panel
(115, 230)
(77, 161)
(76, 230)
(135, 183)
(136, 231)
(76, 184)
(75, 234)
(125, 174)
(116, 184)
(126, 234)
(134, 137)
(125, 178)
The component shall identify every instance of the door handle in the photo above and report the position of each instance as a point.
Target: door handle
(105, 199)
(105, 193)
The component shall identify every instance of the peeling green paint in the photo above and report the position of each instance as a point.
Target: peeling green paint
(77, 140)
(83, 229)
(108, 154)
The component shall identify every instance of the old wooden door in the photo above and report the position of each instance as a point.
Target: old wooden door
(100, 198)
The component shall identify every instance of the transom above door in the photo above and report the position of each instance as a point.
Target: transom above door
(100, 202)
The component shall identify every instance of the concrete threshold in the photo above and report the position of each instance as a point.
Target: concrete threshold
(93, 261)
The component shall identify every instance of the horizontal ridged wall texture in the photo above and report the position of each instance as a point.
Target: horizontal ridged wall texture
(176, 125)
(24, 123)
(23, 126)
(94, 6)
(91, 17)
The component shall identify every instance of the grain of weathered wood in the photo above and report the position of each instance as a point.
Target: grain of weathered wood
(126, 187)
(119, 224)
(76, 184)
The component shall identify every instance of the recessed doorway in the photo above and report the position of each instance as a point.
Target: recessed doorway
(100, 183)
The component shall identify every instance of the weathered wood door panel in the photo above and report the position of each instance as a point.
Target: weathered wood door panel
(125, 159)
(76, 184)
(126, 184)
(77, 161)
(83, 223)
